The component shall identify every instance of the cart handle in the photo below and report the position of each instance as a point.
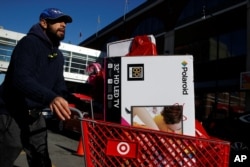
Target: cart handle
(79, 112)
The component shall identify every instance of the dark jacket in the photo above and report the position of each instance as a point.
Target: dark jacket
(33, 78)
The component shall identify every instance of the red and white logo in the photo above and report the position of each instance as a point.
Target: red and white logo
(121, 148)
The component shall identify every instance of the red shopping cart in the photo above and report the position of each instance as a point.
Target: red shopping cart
(112, 145)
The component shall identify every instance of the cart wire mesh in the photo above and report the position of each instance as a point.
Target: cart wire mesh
(113, 145)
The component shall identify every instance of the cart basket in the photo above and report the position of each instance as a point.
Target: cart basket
(114, 145)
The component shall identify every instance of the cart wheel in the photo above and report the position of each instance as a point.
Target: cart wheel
(61, 126)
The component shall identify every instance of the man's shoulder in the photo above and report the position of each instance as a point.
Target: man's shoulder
(30, 41)
(28, 38)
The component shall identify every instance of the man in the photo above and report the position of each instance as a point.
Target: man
(34, 80)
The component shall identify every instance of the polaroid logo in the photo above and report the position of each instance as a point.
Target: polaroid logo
(184, 78)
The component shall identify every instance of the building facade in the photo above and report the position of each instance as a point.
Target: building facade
(76, 58)
(215, 32)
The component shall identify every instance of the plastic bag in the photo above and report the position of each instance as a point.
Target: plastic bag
(96, 81)
(141, 45)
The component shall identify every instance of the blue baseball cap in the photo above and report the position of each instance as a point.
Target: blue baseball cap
(54, 14)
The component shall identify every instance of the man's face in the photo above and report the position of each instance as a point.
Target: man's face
(56, 29)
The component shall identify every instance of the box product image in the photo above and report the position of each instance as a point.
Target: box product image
(167, 118)
(156, 82)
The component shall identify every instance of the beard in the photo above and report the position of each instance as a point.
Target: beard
(54, 34)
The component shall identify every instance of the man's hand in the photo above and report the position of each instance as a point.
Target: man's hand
(60, 106)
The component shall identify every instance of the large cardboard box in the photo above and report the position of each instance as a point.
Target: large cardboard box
(138, 89)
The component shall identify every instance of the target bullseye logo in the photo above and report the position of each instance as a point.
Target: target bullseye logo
(123, 148)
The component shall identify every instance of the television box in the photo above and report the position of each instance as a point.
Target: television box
(122, 47)
(149, 82)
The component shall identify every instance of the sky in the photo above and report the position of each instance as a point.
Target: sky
(88, 16)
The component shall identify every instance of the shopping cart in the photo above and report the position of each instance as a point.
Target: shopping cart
(114, 145)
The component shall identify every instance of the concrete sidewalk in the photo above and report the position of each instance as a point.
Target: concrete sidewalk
(62, 151)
